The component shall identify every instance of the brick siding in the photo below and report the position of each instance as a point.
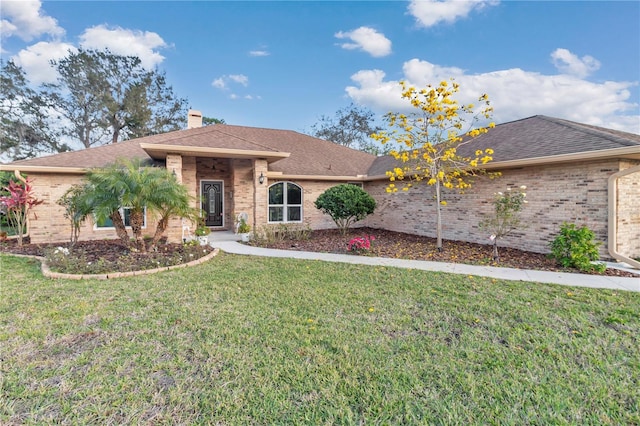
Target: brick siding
(574, 192)
(628, 238)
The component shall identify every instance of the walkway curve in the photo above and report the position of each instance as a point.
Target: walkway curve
(548, 277)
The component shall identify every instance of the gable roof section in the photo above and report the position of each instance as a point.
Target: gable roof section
(541, 140)
(295, 154)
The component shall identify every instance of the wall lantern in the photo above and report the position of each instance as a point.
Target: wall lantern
(261, 178)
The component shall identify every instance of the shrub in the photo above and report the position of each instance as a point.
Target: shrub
(346, 204)
(506, 216)
(575, 247)
(18, 203)
(269, 234)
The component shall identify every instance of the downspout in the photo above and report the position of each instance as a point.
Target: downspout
(613, 216)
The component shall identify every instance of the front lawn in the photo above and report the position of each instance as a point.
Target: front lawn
(246, 340)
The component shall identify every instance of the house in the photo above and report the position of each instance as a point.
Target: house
(574, 172)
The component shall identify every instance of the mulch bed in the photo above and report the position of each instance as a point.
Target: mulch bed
(407, 246)
(112, 255)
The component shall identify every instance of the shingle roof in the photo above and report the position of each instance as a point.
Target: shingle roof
(541, 136)
(309, 155)
(535, 137)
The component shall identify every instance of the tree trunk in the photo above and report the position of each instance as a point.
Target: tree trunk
(438, 218)
(15, 218)
(137, 220)
(160, 229)
(496, 256)
(121, 230)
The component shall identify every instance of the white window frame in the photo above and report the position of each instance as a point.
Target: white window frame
(285, 205)
(96, 227)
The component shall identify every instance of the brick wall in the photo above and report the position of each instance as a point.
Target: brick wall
(574, 192)
(47, 223)
(570, 192)
(628, 238)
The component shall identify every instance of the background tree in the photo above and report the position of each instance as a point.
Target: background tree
(208, 121)
(430, 139)
(108, 98)
(25, 130)
(18, 203)
(351, 126)
(346, 204)
(505, 217)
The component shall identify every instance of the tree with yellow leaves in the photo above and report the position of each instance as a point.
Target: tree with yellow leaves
(430, 138)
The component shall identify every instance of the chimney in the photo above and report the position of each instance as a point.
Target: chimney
(194, 119)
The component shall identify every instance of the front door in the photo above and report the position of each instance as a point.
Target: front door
(212, 202)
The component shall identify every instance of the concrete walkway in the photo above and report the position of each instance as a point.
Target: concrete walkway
(228, 242)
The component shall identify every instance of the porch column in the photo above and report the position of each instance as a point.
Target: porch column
(174, 165)
(261, 193)
(174, 229)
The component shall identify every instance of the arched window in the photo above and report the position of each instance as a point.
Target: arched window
(285, 202)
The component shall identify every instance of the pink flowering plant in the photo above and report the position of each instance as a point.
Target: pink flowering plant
(18, 203)
(361, 245)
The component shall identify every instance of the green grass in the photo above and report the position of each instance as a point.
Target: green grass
(248, 340)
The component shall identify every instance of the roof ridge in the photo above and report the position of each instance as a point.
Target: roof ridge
(247, 140)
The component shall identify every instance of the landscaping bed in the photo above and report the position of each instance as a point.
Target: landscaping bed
(407, 246)
(105, 256)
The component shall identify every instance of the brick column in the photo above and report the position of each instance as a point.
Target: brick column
(174, 229)
(261, 194)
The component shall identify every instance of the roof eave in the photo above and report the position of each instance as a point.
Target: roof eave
(42, 169)
(284, 176)
(160, 151)
(630, 152)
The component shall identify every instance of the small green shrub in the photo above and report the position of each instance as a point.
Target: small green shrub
(244, 227)
(346, 204)
(575, 247)
(269, 234)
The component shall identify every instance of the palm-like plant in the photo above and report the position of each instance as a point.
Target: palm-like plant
(128, 183)
(168, 198)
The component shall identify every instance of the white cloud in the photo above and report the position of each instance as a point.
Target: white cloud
(432, 12)
(259, 53)
(121, 41)
(366, 39)
(223, 81)
(219, 83)
(240, 79)
(514, 93)
(35, 60)
(571, 64)
(25, 20)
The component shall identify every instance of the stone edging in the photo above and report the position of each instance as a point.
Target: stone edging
(44, 267)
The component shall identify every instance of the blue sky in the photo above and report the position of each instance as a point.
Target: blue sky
(285, 64)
